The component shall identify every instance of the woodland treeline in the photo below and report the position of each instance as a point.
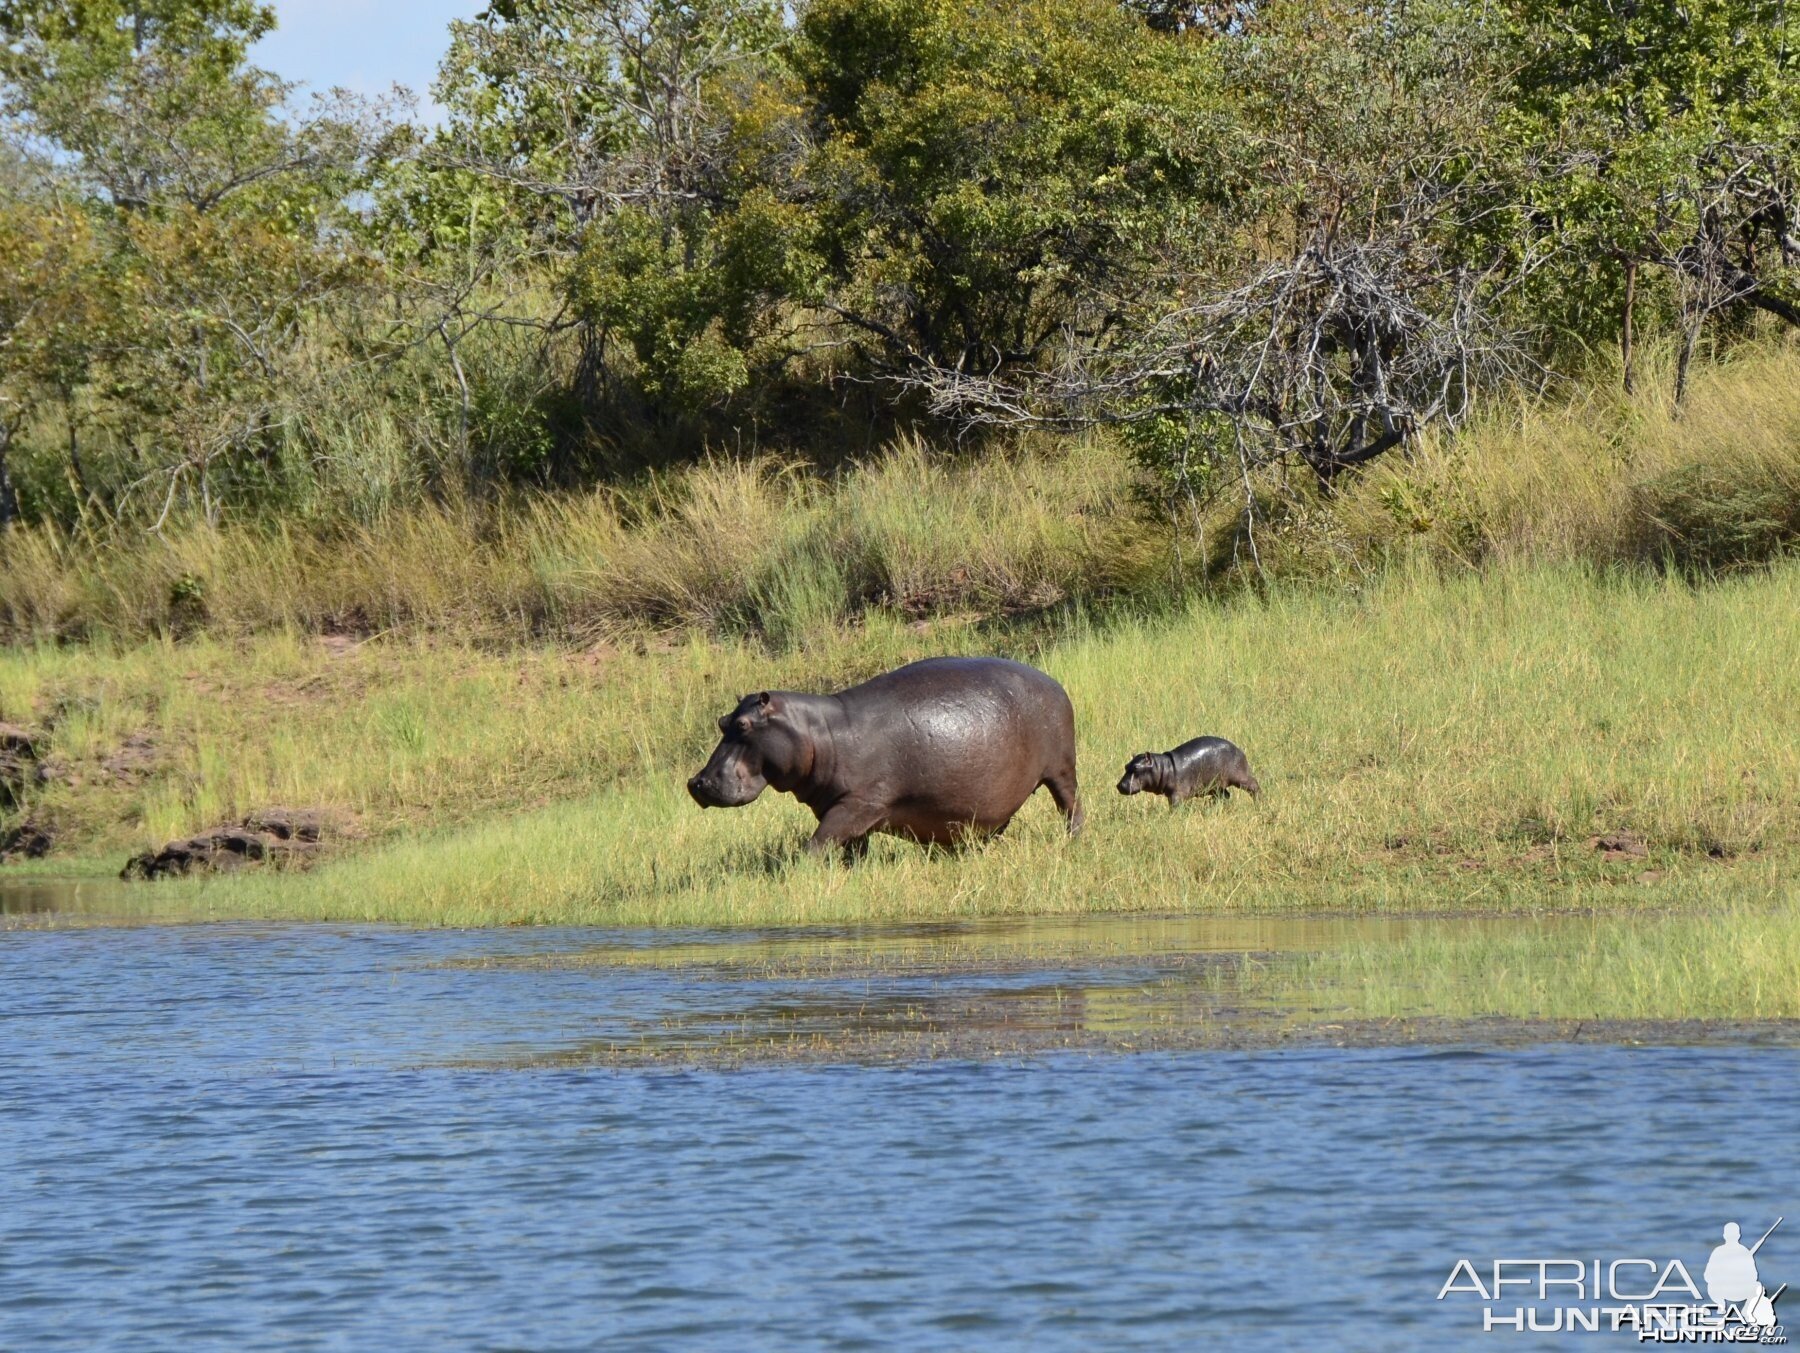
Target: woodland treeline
(1291, 234)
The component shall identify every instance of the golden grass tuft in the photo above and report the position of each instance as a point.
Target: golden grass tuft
(767, 549)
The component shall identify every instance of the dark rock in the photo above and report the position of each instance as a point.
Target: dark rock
(275, 836)
(1619, 846)
(28, 840)
(289, 824)
(19, 751)
(19, 741)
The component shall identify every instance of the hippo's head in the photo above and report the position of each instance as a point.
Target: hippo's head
(761, 746)
(1140, 774)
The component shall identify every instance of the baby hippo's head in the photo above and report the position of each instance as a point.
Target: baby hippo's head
(1140, 774)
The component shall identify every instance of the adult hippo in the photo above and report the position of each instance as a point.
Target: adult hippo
(932, 751)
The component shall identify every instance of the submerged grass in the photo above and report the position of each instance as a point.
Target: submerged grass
(1735, 958)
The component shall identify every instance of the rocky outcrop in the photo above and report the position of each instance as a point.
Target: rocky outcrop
(274, 836)
(20, 749)
(28, 840)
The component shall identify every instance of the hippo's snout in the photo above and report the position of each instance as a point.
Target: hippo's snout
(724, 786)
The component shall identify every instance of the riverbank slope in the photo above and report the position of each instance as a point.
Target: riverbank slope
(1517, 739)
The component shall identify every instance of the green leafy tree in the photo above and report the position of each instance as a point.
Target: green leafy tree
(217, 215)
(53, 309)
(989, 179)
(152, 101)
(607, 143)
(1669, 135)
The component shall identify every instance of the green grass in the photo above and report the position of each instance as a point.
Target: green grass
(1430, 745)
(152, 741)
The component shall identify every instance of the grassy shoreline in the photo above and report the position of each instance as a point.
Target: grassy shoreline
(1515, 740)
(1463, 688)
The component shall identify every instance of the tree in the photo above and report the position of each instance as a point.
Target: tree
(1352, 306)
(58, 307)
(609, 143)
(988, 179)
(151, 101)
(1670, 136)
(216, 222)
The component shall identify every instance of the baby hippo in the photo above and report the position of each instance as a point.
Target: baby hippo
(1203, 766)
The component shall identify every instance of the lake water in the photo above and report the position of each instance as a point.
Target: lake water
(329, 1137)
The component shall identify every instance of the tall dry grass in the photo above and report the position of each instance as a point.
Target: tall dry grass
(1601, 479)
(754, 547)
(767, 549)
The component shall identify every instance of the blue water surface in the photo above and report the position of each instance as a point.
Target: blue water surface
(235, 1137)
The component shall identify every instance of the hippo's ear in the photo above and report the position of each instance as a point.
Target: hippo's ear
(762, 698)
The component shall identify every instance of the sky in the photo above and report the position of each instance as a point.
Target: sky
(362, 46)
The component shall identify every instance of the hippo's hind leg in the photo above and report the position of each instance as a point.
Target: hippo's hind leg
(1068, 798)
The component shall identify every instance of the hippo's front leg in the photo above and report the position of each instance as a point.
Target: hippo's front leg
(846, 823)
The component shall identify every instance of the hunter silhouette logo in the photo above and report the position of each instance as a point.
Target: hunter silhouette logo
(1731, 1278)
(1657, 1300)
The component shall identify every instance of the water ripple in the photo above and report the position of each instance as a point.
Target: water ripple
(233, 1137)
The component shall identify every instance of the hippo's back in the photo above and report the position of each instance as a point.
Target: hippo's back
(953, 741)
(950, 678)
(1195, 748)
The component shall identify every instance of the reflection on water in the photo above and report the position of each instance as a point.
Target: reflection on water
(65, 900)
(259, 1136)
(1002, 941)
(957, 988)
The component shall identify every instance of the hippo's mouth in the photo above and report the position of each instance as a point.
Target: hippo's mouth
(710, 794)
